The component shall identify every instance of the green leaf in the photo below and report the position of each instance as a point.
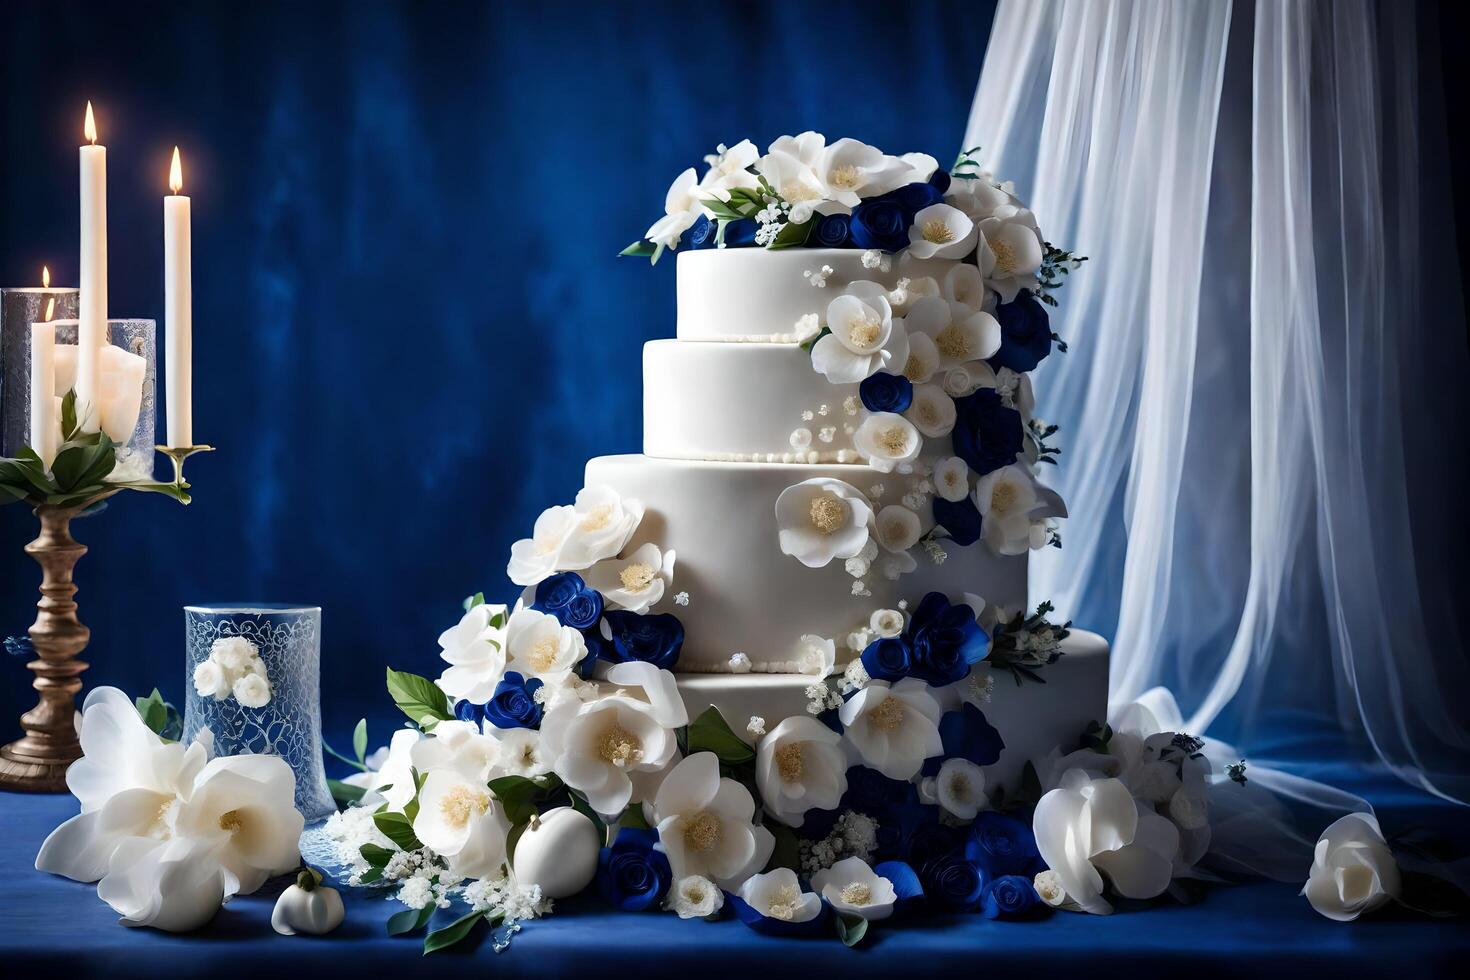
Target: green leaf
(513, 838)
(359, 741)
(451, 934)
(345, 793)
(409, 920)
(395, 827)
(641, 247)
(69, 414)
(792, 235)
(10, 494)
(153, 711)
(518, 796)
(787, 852)
(709, 733)
(376, 856)
(69, 466)
(419, 698)
(850, 929)
(632, 818)
(326, 747)
(478, 599)
(370, 875)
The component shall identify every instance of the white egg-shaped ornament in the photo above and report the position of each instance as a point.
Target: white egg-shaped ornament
(559, 852)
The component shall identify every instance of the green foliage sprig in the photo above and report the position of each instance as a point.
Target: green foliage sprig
(1056, 265)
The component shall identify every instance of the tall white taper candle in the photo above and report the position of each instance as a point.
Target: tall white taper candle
(92, 304)
(45, 428)
(178, 310)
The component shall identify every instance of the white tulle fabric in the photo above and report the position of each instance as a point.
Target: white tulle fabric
(1263, 408)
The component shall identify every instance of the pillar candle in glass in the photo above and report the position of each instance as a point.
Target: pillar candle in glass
(45, 426)
(19, 308)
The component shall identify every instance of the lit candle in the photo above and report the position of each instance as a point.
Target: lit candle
(178, 310)
(92, 309)
(45, 429)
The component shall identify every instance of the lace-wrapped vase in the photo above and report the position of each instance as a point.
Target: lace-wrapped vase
(254, 680)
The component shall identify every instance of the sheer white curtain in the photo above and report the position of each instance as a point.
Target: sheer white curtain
(1264, 407)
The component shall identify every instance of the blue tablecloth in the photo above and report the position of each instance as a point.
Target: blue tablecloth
(1256, 931)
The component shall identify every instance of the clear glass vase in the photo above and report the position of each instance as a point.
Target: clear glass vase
(254, 680)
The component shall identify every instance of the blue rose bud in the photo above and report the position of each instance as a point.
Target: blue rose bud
(940, 179)
(513, 705)
(987, 435)
(1025, 333)
(881, 223)
(469, 711)
(1009, 897)
(884, 392)
(945, 639)
(832, 231)
(960, 518)
(915, 197)
(888, 659)
(655, 639)
(567, 597)
(702, 233)
(631, 874)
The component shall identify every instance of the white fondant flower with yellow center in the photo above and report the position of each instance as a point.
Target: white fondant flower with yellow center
(800, 765)
(729, 169)
(1010, 501)
(963, 284)
(865, 335)
(458, 746)
(474, 648)
(886, 622)
(705, 823)
(597, 745)
(681, 209)
(853, 888)
(923, 359)
(391, 781)
(520, 754)
(537, 644)
(941, 231)
(460, 820)
(777, 895)
(932, 411)
(909, 290)
(898, 528)
(695, 897)
(887, 441)
(960, 333)
(850, 171)
(793, 178)
(539, 556)
(245, 805)
(952, 479)
(634, 583)
(960, 788)
(821, 519)
(653, 686)
(1008, 251)
(815, 655)
(604, 523)
(893, 727)
(980, 198)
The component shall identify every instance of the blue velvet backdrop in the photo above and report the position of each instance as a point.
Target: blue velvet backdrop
(410, 326)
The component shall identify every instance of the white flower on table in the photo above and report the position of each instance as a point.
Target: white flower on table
(245, 806)
(815, 655)
(474, 648)
(853, 888)
(777, 894)
(1008, 251)
(960, 333)
(941, 231)
(952, 479)
(800, 765)
(887, 441)
(899, 528)
(537, 644)
(705, 823)
(682, 208)
(597, 745)
(459, 747)
(893, 727)
(460, 820)
(1353, 871)
(865, 337)
(634, 583)
(960, 788)
(850, 171)
(821, 519)
(695, 897)
(1048, 885)
(932, 411)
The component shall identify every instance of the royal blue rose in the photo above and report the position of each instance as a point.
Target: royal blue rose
(945, 639)
(631, 874)
(940, 179)
(567, 597)
(654, 639)
(881, 223)
(915, 197)
(987, 435)
(884, 392)
(469, 711)
(1009, 897)
(702, 233)
(513, 705)
(932, 841)
(872, 793)
(1003, 845)
(741, 232)
(953, 883)
(1025, 333)
(832, 231)
(960, 518)
(888, 659)
(966, 734)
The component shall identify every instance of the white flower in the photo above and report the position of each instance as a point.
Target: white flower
(1089, 826)
(245, 806)
(705, 823)
(893, 727)
(391, 780)
(853, 888)
(740, 663)
(538, 644)
(474, 648)
(887, 441)
(815, 655)
(596, 746)
(821, 519)
(695, 897)
(963, 284)
(800, 765)
(777, 894)
(792, 176)
(979, 198)
(921, 167)
(235, 654)
(604, 523)
(681, 209)
(941, 231)
(729, 170)
(252, 691)
(910, 290)
(898, 528)
(1008, 251)
(461, 821)
(1353, 871)
(960, 788)
(960, 333)
(1048, 886)
(952, 479)
(886, 622)
(459, 747)
(1010, 501)
(923, 359)
(209, 680)
(865, 335)
(637, 582)
(537, 557)
(932, 411)
(756, 727)
(655, 687)
(520, 754)
(175, 886)
(850, 170)
(807, 327)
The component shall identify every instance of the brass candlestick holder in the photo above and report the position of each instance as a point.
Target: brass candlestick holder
(37, 762)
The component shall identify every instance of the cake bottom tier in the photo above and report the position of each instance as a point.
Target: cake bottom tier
(1032, 718)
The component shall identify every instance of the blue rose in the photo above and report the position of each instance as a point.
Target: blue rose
(940, 179)
(567, 597)
(654, 639)
(469, 711)
(881, 223)
(741, 232)
(953, 883)
(632, 874)
(887, 659)
(987, 435)
(513, 705)
(832, 231)
(960, 518)
(1003, 845)
(932, 841)
(872, 793)
(1025, 333)
(555, 592)
(1009, 897)
(945, 638)
(915, 197)
(884, 392)
(702, 233)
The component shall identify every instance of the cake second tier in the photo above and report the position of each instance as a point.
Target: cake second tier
(745, 596)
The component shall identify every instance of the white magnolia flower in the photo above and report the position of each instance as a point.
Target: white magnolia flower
(538, 557)
(979, 198)
(252, 691)
(695, 897)
(887, 441)
(681, 209)
(635, 583)
(821, 519)
(245, 806)
(705, 822)
(865, 336)
(963, 284)
(520, 754)
(1353, 871)
(729, 169)
(800, 765)
(1011, 501)
(537, 644)
(952, 479)
(921, 168)
(923, 359)
(886, 622)
(960, 333)
(1008, 251)
(898, 528)
(175, 886)
(960, 788)
(932, 411)
(1088, 826)
(850, 171)
(389, 778)
(941, 231)
(910, 289)
(777, 894)
(894, 727)
(791, 169)
(474, 648)
(459, 747)
(853, 888)
(210, 680)
(604, 523)
(655, 687)
(461, 821)
(597, 745)
(815, 655)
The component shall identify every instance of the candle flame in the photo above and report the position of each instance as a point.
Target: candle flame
(89, 128)
(50, 308)
(45, 279)
(176, 174)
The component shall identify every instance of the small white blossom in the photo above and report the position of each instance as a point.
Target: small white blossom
(851, 404)
(808, 327)
(857, 567)
(681, 599)
(886, 622)
(756, 727)
(695, 897)
(739, 663)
